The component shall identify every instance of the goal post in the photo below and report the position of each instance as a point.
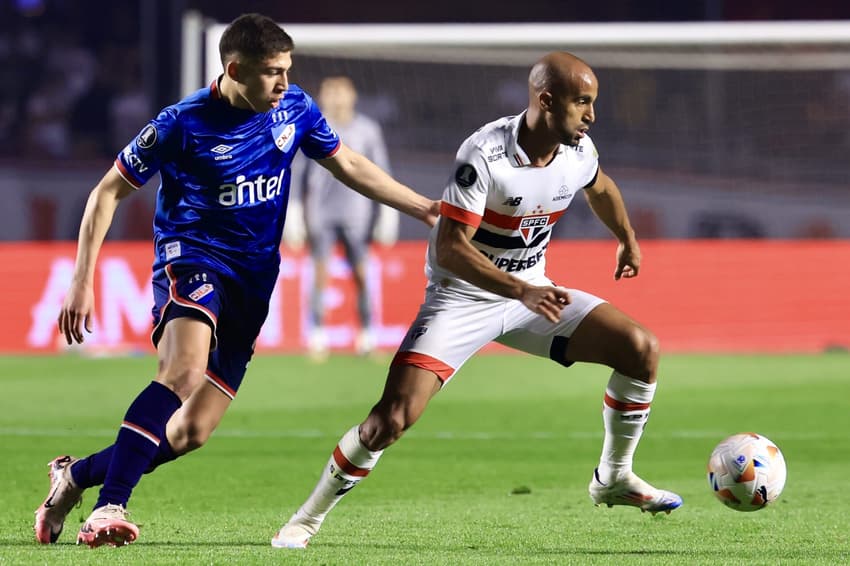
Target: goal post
(714, 128)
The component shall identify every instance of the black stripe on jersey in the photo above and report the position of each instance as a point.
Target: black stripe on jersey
(507, 242)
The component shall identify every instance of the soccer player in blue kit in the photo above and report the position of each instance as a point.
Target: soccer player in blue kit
(223, 154)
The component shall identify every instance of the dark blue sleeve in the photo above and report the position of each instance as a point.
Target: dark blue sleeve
(321, 141)
(157, 143)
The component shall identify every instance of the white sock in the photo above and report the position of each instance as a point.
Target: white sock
(625, 411)
(350, 462)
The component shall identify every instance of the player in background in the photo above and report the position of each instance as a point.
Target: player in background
(224, 156)
(486, 262)
(332, 212)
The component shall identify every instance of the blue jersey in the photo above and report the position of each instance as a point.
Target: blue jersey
(225, 176)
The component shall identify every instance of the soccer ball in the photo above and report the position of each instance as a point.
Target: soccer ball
(746, 472)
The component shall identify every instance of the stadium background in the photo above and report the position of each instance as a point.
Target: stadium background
(737, 180)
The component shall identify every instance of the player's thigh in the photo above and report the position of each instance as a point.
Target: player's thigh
(321, 239)
(355, 243)
(608, 336)
(188, 302)
(534, 334)
(197, 418)
(448, 330)
(182, 351)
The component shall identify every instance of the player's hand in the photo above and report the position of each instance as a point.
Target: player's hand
(546, 301)
(76, 313)
(628, 260)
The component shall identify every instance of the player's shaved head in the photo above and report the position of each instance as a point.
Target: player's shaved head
(559, 73)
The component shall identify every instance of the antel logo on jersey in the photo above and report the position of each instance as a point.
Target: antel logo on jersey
(147, 138)
(531, 226)
(258, 190)
(284, 136)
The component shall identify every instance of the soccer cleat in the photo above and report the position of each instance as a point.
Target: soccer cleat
(633, 491)
(63, 496)
(294, 534)
(108, 525)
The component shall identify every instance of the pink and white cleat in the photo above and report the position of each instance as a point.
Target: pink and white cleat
(631, 490)
(108, 525)
(63, 496)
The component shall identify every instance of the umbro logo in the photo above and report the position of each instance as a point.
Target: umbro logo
(221, 151)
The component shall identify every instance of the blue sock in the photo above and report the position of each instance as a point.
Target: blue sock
(138, 442)
(91, 471)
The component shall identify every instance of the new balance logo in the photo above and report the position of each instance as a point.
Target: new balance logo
(512, 201)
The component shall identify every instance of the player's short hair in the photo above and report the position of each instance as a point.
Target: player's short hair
(255, 37)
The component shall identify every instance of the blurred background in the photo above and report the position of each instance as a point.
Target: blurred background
(719, 136)
(709, 141)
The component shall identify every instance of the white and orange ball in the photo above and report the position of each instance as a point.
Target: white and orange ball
(746, 472)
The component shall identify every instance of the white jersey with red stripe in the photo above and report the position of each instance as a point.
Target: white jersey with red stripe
(513, 205)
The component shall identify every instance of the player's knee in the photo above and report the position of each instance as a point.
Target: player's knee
(189, 436)
(645, 351)
(181, 377)
(196, 436)
(383, 427)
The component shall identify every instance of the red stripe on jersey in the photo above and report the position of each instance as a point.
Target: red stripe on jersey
(126, 174)
(623, 406)
(214, 92)
(334, 150)
(461, 215)
(423, 361)
(512, 222)
(346, 466)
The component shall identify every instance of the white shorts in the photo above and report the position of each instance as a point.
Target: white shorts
(450, 328)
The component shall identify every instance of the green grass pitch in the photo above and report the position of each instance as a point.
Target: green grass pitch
(445, 493)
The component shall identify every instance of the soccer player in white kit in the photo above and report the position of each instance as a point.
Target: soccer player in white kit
(486, 259)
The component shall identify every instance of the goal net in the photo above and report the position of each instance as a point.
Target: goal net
(711, 129)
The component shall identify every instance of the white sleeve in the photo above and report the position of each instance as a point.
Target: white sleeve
(466, 192)
(589, 162)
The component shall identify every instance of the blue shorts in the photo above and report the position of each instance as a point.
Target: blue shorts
(235, 316)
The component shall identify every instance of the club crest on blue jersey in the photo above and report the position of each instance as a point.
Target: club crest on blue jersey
(284, 136)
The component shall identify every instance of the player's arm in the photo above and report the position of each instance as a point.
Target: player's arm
(100, 208)
(362, 175)
(607, 203)
(456, 253)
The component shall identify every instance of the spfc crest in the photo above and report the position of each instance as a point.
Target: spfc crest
(284, 136)
(532, 226)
